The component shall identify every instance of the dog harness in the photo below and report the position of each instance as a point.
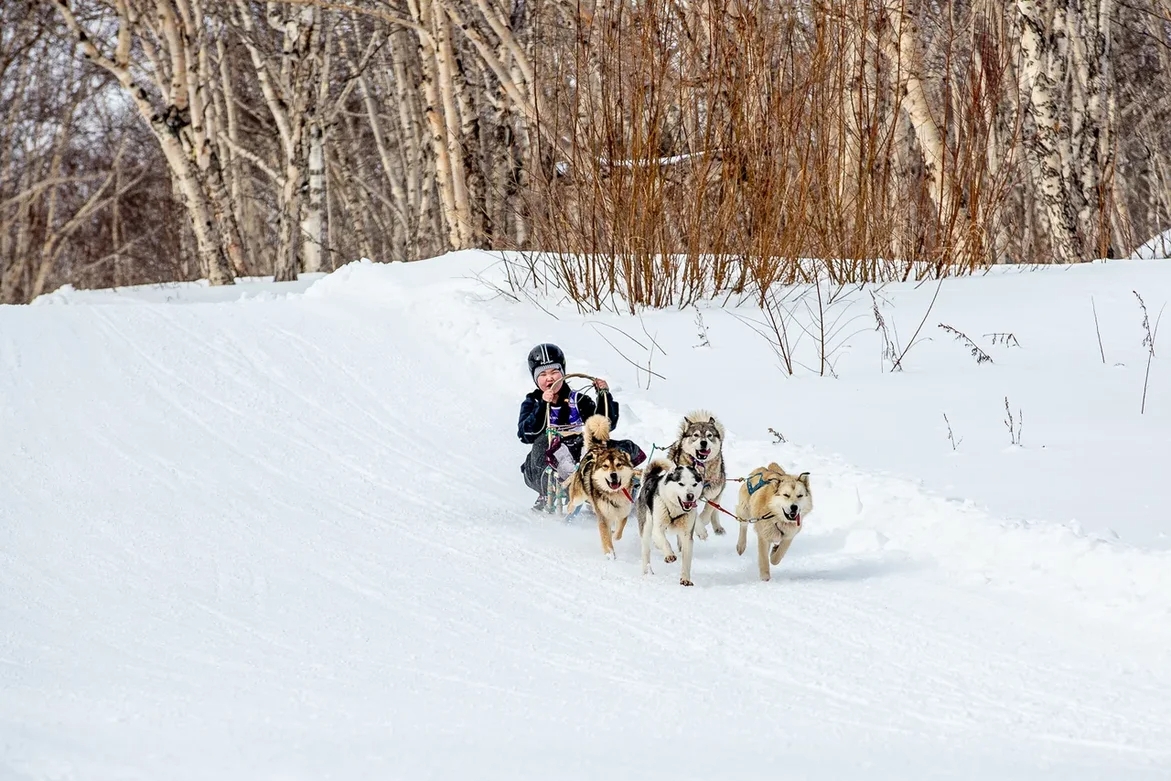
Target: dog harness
(760, 483)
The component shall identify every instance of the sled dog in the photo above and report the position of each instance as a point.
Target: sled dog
(700, 444)
(775, 502)
(603, 478)
(666, 504)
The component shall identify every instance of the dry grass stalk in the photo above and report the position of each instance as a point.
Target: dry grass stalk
(742, 144)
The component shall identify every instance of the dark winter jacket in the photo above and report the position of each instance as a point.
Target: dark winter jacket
(531, 425)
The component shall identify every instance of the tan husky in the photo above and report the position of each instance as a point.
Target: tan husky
(775, 503)
(603, 478)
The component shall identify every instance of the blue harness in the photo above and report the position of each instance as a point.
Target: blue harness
(760, 483)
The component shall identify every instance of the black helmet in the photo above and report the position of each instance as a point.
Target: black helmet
(543, 356)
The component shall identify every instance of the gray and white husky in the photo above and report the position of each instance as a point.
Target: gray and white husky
(667, 504)
(700, 444)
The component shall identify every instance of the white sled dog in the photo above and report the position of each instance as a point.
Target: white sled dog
(776, 503)
(666, 504)
(700, 444)
(603, 478)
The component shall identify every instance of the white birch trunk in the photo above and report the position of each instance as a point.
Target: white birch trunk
(445, 71)
(1042, 51)
(471, 147)
(313, 222)
(988, 35)
(411, 127)
(287, 82)
(242, 206)
(312, 227)
(167, 123)
(440, 150)
(901, 48)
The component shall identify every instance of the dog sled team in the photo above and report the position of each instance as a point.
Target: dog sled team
(574, 461)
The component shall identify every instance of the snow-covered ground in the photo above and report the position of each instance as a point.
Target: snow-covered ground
(280, 533)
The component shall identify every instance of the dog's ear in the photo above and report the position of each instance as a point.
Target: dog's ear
(804, 478)
(775, 467)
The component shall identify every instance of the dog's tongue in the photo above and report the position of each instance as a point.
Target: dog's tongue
(614, 484)
(703, 454)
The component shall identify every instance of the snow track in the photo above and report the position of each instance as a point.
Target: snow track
(287, 539)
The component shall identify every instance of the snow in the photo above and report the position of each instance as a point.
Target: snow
(279, 532)
(245, 289)
(1156, 247)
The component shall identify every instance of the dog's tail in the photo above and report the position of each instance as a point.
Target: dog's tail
(597, 431)
(656, 467)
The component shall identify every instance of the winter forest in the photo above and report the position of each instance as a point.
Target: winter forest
(705, 141)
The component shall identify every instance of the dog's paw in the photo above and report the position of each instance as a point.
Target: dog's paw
(765, 576)
(684, 582)
(670, 559)
(718, 529)
(701, 531)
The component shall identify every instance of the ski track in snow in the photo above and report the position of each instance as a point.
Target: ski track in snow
(288, 539)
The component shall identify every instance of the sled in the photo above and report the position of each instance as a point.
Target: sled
(557, 497)
(557, 493)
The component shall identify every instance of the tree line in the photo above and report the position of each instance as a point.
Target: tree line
(647, 148)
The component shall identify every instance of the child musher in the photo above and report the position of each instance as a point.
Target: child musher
(565, 411)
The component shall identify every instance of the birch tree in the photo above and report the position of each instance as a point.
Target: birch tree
(151, 54)
(59, 191)
(900, 40)
(313, 217)
(288, 71)
(302, 133)
(1066, 50)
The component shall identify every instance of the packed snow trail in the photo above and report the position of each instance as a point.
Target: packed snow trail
(288, 539)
